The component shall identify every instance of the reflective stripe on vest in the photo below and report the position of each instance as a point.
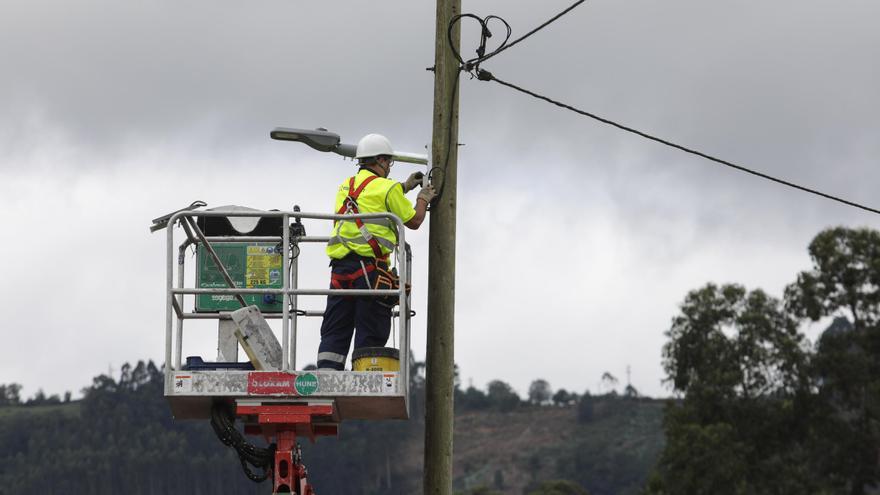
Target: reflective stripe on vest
(360, 240)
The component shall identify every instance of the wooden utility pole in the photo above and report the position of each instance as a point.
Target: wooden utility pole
(441, 263)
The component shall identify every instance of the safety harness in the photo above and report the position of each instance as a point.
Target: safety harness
(350, 206)
(385, 279)
(346, 281)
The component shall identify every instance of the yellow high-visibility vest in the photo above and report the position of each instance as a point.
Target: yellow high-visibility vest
(379, 196)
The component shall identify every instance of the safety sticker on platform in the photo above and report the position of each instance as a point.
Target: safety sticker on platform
(271, 382)
(389, 384)
(306, 384)
(183, 384)
(262, 261)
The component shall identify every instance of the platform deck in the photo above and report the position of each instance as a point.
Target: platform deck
(356, 394)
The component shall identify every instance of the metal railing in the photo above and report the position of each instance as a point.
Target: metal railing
(176, 289)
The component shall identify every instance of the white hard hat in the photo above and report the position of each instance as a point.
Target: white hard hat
(373, 145)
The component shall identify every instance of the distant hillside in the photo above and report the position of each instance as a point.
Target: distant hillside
(121, 439)
(610, 454)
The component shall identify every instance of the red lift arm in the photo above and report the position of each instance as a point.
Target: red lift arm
(282, 424)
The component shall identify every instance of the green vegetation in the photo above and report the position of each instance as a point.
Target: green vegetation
(517, 451)
(762, 412)
(120, 438)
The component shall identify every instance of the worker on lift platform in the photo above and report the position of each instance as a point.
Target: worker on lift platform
(359, 250)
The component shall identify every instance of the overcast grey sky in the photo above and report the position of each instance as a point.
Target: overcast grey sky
(576, 242)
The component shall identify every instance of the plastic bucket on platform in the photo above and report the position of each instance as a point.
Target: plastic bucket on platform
(375, 359)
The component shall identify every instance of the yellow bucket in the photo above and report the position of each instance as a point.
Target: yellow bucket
(375, 359)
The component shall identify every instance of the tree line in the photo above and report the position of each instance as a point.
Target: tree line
(10, 395)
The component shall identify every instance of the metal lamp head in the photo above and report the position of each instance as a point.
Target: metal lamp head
(319, 139)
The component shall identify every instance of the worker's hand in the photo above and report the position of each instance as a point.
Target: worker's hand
(414, 180)
(427, 193)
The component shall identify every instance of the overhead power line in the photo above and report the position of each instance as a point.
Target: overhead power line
(472, 66)
(484, 75)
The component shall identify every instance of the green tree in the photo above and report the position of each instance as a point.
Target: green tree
(561, 397)
(845, 277)
(10, 394)
(845, 282)
(740, 364)
(539, 392)
(763, 355)
(472, 399)
(40, 399)
(502, 396)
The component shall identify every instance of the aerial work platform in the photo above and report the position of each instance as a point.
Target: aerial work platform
(246, 274)
(247, 262)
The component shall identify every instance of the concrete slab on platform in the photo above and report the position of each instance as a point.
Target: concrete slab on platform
(256, 338)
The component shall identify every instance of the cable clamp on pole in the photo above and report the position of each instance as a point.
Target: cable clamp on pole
(484, 75)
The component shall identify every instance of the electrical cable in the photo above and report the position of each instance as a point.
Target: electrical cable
(484, 75)
(472, 66)
(485, 34)
(223, 423)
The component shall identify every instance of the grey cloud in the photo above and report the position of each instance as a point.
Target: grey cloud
(181, 96)
(108, 72)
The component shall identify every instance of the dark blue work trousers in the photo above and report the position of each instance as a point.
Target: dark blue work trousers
(363, 316)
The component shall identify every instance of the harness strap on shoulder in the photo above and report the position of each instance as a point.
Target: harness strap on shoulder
(357, 192)
(353, 194)
(350, 206)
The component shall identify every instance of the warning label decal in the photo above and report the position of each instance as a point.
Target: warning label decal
(271, 382)
(182, 383)
(389, 384)
(262, 263)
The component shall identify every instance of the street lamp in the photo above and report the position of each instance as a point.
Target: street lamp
(323, 140)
